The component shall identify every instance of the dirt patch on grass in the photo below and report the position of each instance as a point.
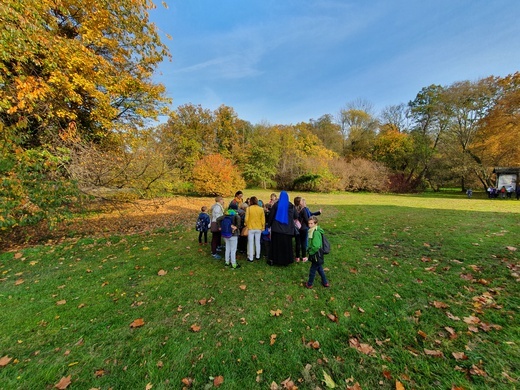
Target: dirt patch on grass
(108, 218)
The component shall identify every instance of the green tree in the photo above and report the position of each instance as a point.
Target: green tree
(358, 127)
(468, 104)
(430, 119)
(262, 155)
(328, 132)
(187, 136)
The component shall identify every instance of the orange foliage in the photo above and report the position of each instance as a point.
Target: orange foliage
(216, 175)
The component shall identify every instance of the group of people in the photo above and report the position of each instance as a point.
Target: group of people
(504, 192)
(271, 227)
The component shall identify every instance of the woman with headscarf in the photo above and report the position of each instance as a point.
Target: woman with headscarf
(281, 221)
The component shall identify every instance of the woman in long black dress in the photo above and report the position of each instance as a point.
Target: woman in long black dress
(281, 221)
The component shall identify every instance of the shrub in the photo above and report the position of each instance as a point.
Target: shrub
(360, 175)
(215, 175)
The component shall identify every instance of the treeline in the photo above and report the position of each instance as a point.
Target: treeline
(447, 136)
(76, 95)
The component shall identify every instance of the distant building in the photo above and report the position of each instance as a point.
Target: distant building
(507, 177)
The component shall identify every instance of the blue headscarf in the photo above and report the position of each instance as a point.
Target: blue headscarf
(282, 211)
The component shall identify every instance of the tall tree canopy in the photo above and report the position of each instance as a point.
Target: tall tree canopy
(72, 72)
(76, 66)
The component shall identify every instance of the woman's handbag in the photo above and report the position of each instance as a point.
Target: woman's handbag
(298, 224)
(245, 231)
(214, 227)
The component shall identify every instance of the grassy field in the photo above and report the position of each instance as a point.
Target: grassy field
(424, 295)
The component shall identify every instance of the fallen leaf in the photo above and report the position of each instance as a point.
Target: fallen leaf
(434, 353)
(451, 331)
(137, 323)
(62, 302)
(288, 384)
(440, 305)
(63, 383)
(333, 317)
(361, 347)
(452, 317)
(276, 313)
(195, 328)
(203, 301)
(18, 282)
(459, 356)
(422, 334)
(187, 381)
(242, 286)
(511, 248)
(273, 339)
(474, 370)
(99, 373)
(329, 382)
(162, 272)
(160, 364)
(18, 255)
(148, 386)
(4, 361)
(506, 375)
(471, 320)
(218, 381)
(356, 386)
(399, 385)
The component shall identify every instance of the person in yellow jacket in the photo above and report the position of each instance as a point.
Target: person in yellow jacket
(255, 222)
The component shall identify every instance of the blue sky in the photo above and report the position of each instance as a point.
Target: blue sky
(289, 61)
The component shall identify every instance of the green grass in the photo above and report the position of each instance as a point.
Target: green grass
(394, 259)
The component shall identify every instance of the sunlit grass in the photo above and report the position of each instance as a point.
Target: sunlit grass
(408, 276)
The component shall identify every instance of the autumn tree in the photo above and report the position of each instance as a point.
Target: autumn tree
(71, 72)
(216, 175)
(496, 141)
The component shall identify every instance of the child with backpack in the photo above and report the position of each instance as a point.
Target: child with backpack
(229, 228)
(202, 225)
(316, 253)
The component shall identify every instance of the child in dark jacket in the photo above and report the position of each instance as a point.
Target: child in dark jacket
(316, 253)
(202, 226)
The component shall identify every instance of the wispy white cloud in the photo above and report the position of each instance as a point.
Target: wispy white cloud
(287, 61)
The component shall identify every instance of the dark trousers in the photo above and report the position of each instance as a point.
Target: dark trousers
(205, 234)
(301, 243)
(215, 241)
(315, 267)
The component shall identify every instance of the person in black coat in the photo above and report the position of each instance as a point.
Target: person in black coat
(281, 221)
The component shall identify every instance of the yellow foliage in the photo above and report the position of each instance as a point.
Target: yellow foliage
(216, 175)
